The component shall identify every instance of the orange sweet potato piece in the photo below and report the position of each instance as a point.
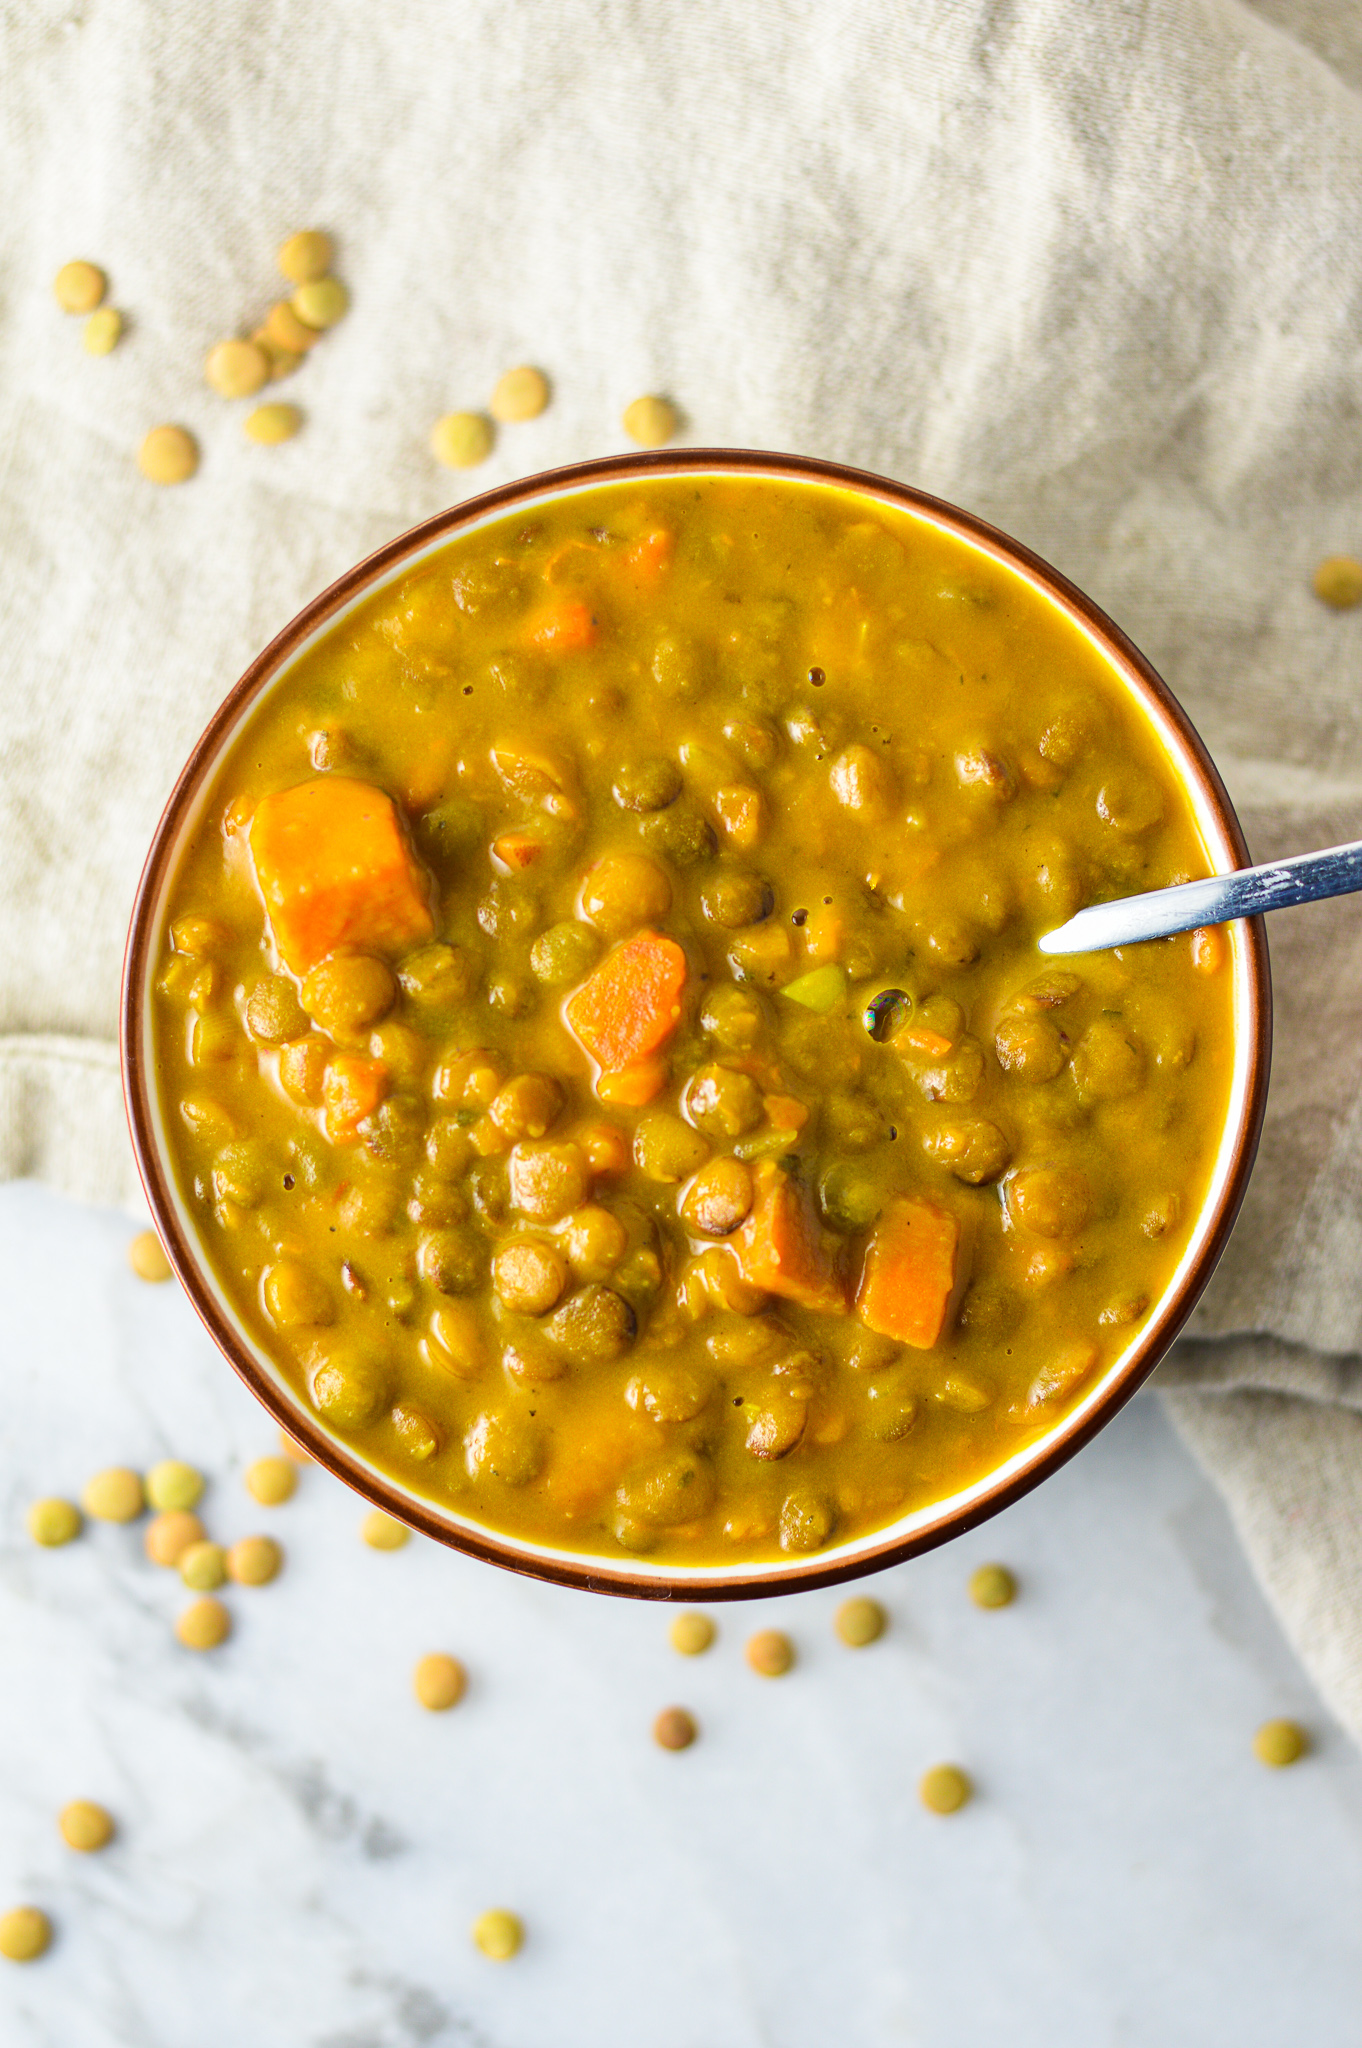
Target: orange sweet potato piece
(783, 1249)
(631, 1004)
(633, 1086)
(651, 553)
(564, 628)
(352, 1088)
(335, 870)
(916, 1269)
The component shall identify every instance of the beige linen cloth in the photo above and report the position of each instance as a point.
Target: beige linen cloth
(1092, 268)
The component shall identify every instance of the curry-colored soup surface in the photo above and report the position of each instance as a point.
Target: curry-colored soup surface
(510, 1021)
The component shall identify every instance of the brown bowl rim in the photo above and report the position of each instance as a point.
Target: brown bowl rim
(599, 1574)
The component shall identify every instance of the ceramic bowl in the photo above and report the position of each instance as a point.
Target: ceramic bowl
(924, 1526)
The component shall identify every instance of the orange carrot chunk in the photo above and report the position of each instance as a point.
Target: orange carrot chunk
(352, 1088)
(916, 1269)
(335, 870)
(631, 1004)
(651, 553)
(633, 1086)
(783, 1249)
(565, 628)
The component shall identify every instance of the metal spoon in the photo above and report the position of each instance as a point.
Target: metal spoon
(1336, 871)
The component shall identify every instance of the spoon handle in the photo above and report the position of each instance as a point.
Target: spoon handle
(1334, 871)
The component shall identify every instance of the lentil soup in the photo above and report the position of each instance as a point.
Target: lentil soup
(601, 1039)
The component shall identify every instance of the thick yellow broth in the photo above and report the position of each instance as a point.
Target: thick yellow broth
(919, 765)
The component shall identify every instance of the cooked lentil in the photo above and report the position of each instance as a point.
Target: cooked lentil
(236, 369)
(305, 256)
(171, 1483)
(321, 302)
(203, 1567)
(170, 1535)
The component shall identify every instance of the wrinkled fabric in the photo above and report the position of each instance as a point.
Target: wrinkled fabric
(1091, 268)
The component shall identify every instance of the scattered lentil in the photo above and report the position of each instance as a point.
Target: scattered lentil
(691, 1633)
(1279, 1743)
(102, 331)
(254, 1560)
(674, 1728)
(79, 287)
(114, 1495)
(52, 1522)
(169, 1535)
(944, 1788)
(992, 1585)
(521, 394)
(383, 1532)
(321, 302)
(168, 455)
(1338, 581)
(438, 1682)
(86, 1826)
(24, 1931)
(203, 1567)
(146, 1256)
(287, 331)
(204, 1624)
(859, 1622)
(271, 1481)
(293, 1449)
(770, 1652)
(236, 368)
(271, 424)
(498, 1934)
(173, 1484)
(650, 421)
(283, 361)
(461, 440)
(305, 256)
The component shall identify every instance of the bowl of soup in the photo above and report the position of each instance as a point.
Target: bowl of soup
(586, 1045)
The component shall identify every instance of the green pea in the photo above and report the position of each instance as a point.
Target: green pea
(564, 954)
(647, 785)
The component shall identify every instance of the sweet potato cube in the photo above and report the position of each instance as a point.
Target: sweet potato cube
(783, 1249)
(631, 1004)
(916, 1270)
(335, 870)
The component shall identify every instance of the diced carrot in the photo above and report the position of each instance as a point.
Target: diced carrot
(739, 810)
(1208, 949)
(651, 553)
(518, 849)
(564, 628)
(782, 1248)
(352, 1088)
(632, 1086)
(919, 1038)
(916, 1269)
(786, 1112)
(335, 870)
(630, 1005)
(606, 1147)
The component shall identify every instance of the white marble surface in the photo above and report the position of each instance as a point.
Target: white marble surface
(301, 1849)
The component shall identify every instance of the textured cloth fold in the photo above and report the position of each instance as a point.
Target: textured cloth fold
(1092, 268)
